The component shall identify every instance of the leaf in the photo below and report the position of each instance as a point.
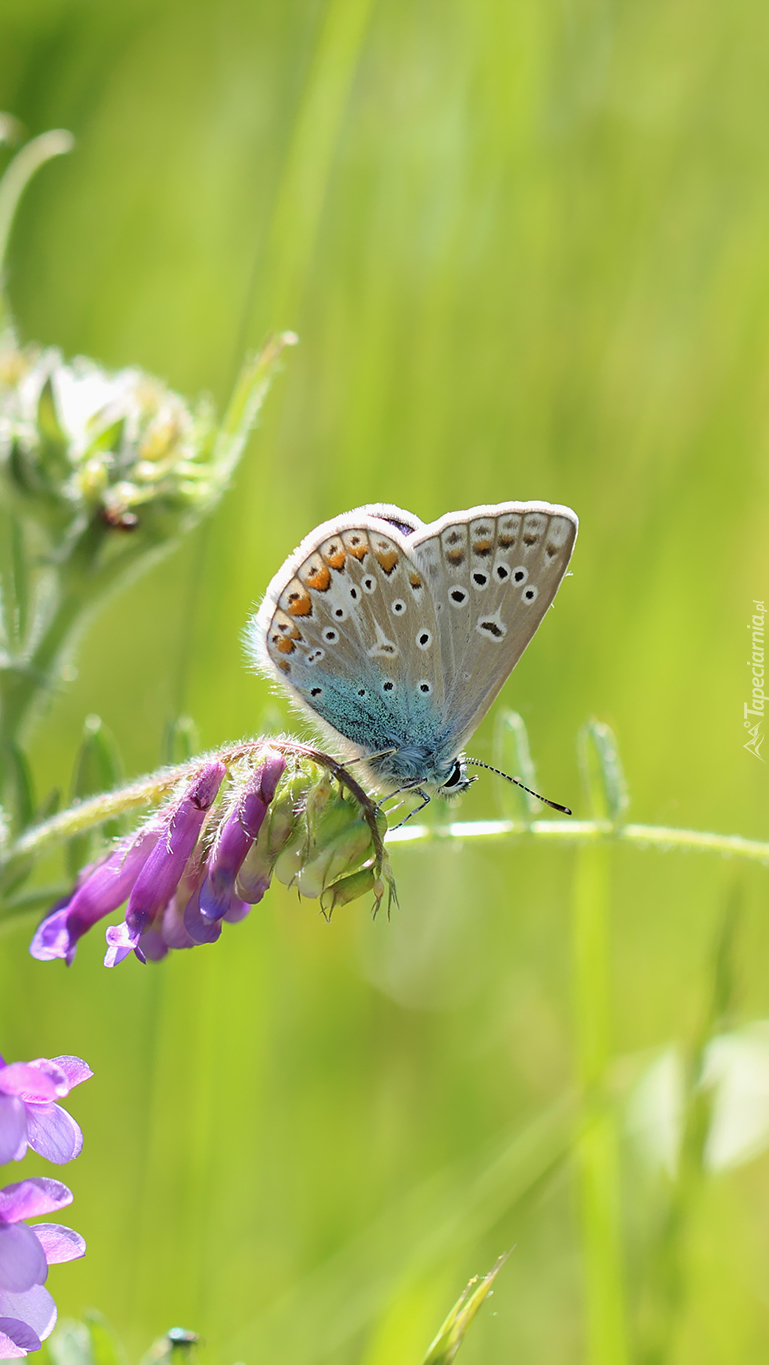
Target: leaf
(451, 1335)
(70, 1344)
(512, 754)
(97, 769)
(110, 438)
(602, 772)
(53, 456)
(181, 740)
(105, 1346)
(21, 784)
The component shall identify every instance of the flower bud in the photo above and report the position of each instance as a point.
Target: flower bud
(102, 891)
(162, 871)
(350, 888)
(237, 834)
(281, 823)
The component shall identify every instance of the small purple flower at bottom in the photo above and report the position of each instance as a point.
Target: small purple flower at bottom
(29, 1115)
(27, 1310)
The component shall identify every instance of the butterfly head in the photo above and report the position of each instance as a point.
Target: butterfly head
(457, 781)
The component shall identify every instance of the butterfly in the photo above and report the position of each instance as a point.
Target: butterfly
(396, 636)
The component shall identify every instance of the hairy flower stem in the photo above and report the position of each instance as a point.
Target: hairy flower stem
(148, 791)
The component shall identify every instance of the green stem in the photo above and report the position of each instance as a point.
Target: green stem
(26, 679)
(660, 837)
(596, 1144)
(669, 1268)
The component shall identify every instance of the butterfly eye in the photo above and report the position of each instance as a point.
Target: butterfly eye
(530, 594)
(502, 572)
(425, 687)
(480, 580)
(316, 691)
(388, 686)
(458, 597)
(339, 613)
(398, 607)
(330, 636)
(424, 639)
(369, 584)
(520, 574)
(361, 691)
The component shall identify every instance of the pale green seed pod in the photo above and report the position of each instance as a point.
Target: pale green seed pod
(327, 816)
(334, 860)
(350, 888)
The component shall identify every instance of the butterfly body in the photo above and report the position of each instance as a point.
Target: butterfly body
(396, 636)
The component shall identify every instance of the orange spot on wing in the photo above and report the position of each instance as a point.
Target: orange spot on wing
(284, 644)
(318, 579)
(387, 559)
(415, 580)
(481, 547)
(299, 604)
(455, 556)
(335, 557)
(356, 545)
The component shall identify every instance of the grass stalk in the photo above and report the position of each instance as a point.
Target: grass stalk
(596, 1145)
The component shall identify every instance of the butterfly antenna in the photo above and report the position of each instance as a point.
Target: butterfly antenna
(553, 804)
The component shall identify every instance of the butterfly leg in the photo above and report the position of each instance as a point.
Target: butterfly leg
(417, 792)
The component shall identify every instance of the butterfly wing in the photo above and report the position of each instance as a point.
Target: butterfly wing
(349, 628)
(492, 572)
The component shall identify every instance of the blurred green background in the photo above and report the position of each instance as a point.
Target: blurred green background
(526, 248)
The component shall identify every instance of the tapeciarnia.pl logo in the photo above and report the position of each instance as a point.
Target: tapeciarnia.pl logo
(753, 711)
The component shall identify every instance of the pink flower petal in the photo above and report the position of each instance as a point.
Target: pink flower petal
(31, 1198)
(74, 1068)
(53, 1133)
(59, 1242)
(16, 1339)
(29, 1082)
(35, 1307)
(120, 942)
(22, 1259)
(13, 1128)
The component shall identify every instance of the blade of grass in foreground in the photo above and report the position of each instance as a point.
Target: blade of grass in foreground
(596, 1148)
(327, 1308)
(452, 1333)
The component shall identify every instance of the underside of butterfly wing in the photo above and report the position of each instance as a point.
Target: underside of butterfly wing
(349, 628)
(493, 572)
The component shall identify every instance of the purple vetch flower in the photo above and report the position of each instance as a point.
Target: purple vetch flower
(27, 1310)
(202, 860)
(163, 869)
(29, 1115)
(217, 894)
(103, 888)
